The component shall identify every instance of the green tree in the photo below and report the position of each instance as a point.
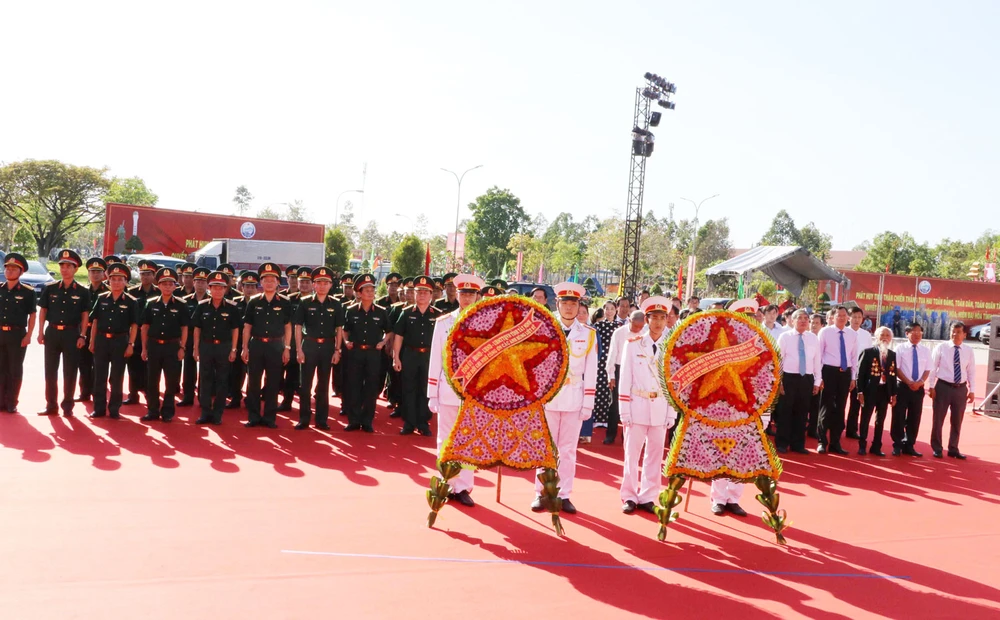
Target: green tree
(954, 258)
(243, 199)
(130, 191)
(408, 258)
(590, 286)
(52, 199)
(497, 216)
(895, 252)
(714, 244)
(338, 250)
(604, 246)
(819, 243)
(782, 231)
(23, 242)
(134, 245)
(656, 289)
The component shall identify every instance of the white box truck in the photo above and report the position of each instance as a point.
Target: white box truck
(249, 254)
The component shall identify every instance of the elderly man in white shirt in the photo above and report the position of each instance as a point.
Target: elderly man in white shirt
(636, 326)
(800, 380)
(952, 384)
(913, 367)
(839, 357)
(864, 341)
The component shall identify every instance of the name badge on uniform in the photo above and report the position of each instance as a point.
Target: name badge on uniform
(19, 297)
(123, 306)
(328, 309)
(174, 310)
(225, 314)
(74, 297)
(276, 308)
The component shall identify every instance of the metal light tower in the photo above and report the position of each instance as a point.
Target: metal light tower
(659, 90)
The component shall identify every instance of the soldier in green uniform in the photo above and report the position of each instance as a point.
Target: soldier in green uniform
(199, 285)
(238, 372)
(318, 320)
(216, 321)
(346, 298)
(17, 322)
(65, 305)
(290, 380)
(450, 301)
(366, 331)
(387, 373)
(268, 322)
(291, 275)
(186, 272)
(114, 322)
(414, 331)
(395, 386)
(95, 273)
(165, 322)
(230, 272)
(136, 364)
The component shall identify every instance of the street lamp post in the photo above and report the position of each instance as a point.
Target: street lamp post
(693, 258)
(407, 218)
(458, 207)
(336, 207)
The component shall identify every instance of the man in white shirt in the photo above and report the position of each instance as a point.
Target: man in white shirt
(816, 322)
(800, 380)
(838, 357)
(952, 385)
(632, 329)
(913, 367)
(644, 410)
(771, 321)
(864, 341)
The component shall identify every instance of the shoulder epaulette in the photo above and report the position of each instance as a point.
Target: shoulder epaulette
(433, 309)
(228, 301)
(590, 327)
(285, 297)
(153, 299)
(104, 294)
(132, 297)
(206, 300)
(309, 297)
(443, 316)
(636, 339)
(399, 303)
(24, 286)
(378, 306)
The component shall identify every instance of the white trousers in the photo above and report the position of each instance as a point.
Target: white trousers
(565, 428)
(447, 416)
(654, 438)
(726, 491)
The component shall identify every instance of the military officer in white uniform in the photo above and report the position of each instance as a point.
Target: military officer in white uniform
(644, 409)
(574, 403)
(442, 399)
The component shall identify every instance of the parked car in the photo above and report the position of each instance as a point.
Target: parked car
(37, 276)
(160, 259)
(524, 288)
(984, 335)
(707, 303)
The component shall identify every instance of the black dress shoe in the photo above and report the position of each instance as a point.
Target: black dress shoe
(628, 507)
(131, 400)
(782, 450)
(736, 510)
(536, 505)
(217, 422)
(150, 417)
(167, 420)
(203, 420)
(285, 406)
(270, 424)
(186, 402)
(407, 430)
(568, 507)
(367, 428)
(115, 416)
(718, 509)
(820, 449)
(956, 455)
(250, 424)
(608, 441)
(912, 452)
(233, 404)
(352, 427)
(937, 454)
(425, 431)
(853, 436)
(68, 414)
(396, 414)
(301, 426)
(896, 451)
(463, 498)
(96, 415)
(876, 452)
(648, 507)
(84, 398)
(862, 451)
(800, 451)
(323, 427)
(839, 450)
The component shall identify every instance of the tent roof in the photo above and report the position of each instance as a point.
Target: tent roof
(789, 265)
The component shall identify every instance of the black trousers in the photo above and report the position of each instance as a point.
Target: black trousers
(189, 380)
(11, 367)
(906, 417)
(137, 372)
(109, 355)
(853, 414)
(876, 400)
(836, 386)
(362, 388)
(793, 410)
(413, 407)
(614, 415)
(948, 397)
(264, 373)
(337, 377)
(86, 370)
(814, 402)
(290, 377)
(61, 343)
(213, 378)
(162, 360)
(318, 365)
(237, 373)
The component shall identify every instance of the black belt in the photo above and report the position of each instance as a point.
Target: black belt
(950, 384)
(10, 328)
(269, 338)
(114, 334)
(837, 368)
(419, 349)
(319, 340)
(165, 340)
(61, 327)
(795, 374)
(365, 347)
(210, 341)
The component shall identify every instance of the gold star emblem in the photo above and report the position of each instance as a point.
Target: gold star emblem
(727, 375)
(510, 361)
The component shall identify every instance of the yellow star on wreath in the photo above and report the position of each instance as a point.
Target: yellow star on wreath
(727, 375)
(510, 361)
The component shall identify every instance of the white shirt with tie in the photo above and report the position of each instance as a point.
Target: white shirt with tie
(904, 360)
(788, 344)
(829, 346)
(943, 365)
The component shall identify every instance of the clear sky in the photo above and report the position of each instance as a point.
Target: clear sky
(861, 116)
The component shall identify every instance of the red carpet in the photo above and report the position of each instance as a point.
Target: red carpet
(118, 519)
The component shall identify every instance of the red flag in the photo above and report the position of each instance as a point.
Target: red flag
(541, 272)
(520, 266)
(680, 281)
(427, 261)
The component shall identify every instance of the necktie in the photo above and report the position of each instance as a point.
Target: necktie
(915, 373)
(958, 365)
(802, 356)
(654, 348)
(843, 352)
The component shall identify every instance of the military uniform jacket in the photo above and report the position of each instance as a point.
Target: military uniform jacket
(319, 319)
(366, 328)
(141, 295)
(16, 304)
(97, 290)
(416, 328)
(446, 306)
(115, 316)
(872, 372)
(640, 396)
(192, 301)
(386, 302)
(578, 391)
(267, 319)
(217, 323)
(64, 305)
(437, 384)
(165, 320)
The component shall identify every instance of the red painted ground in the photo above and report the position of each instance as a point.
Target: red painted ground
(122, 520)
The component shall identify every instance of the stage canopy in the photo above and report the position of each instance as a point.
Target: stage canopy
(789, 265)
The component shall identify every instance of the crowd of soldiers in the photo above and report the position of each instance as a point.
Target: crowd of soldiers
(234, 340)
